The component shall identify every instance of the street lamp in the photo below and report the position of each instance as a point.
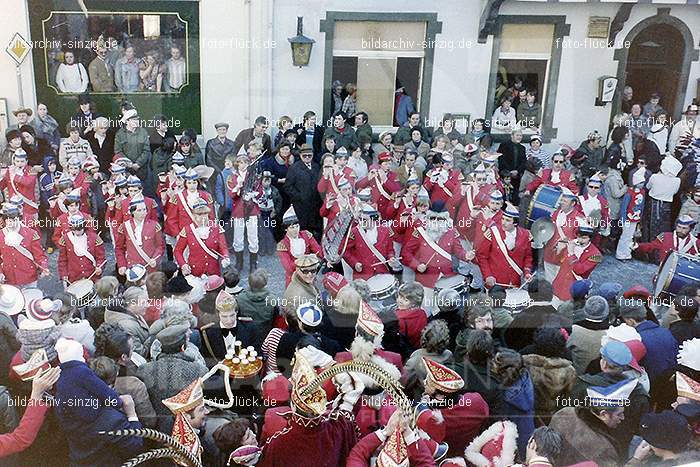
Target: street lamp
(301, 45)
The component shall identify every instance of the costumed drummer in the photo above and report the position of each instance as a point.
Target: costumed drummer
(81, 252)
(505, 255)
(205, 243)
(370, 249)
(566, 219)
(294, 244)
(139, 240)
(430, 250)
(22, 258)
(680, 240)
(245, 189)
(577, 259)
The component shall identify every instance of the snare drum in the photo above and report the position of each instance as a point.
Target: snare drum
(544, 202)
(677, 271)
(382, 286)
(457, 283)
(84, 292)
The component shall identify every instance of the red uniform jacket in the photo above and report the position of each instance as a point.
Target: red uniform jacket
(460, 208)
(284, 251)
(566, 179)
(76, 267)
(21, 265)
(482, 224)
(23, 184)
(445, 191)
(411, 324)
(458, 424)
(240, 206)
(573, 269)
(331, 213)
(359, 252)
(61, 225)
(667, 242)
(492, 258)
(418, 250)
(604, 209)
(381, 192)
(122, 210)
(361, 454)
(199, 259)
(325, 185)
(127, 253)
(562, 232)
(178, 213)
(57, 206)
(325, 442)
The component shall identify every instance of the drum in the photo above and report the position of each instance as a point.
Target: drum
(457, 283)
(544, 202)
(84, 292)
(382, 287)
(677, 271)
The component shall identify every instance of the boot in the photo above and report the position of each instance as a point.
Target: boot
(253, 262)
(239, 261)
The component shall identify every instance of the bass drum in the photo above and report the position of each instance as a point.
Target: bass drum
(676, 272)
(544, 202)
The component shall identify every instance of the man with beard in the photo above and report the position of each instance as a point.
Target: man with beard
(577, 259)
(430, 249)
(505, 255)
(370, 249)
(680, 240)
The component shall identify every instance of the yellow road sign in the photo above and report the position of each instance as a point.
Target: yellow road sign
(18, 48)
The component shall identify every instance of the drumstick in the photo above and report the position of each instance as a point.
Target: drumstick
(385, 261)
(100, 266)
(532, 276)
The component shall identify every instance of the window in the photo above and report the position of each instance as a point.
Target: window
(379, 57)
(524, 56)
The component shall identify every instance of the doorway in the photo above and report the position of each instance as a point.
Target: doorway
(655, 64)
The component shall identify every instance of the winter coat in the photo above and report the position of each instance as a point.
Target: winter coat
(86, 406)
(551, 377)
(134, 387)
(638, 405)
(517, 403)
(166, 376)
(300, 185)
(615, 189)
(259, 306)
(299, 292)
(136, 327)
(584, 344)
(661, 346)
(585, 438)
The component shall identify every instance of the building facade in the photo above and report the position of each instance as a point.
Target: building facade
(449, 56)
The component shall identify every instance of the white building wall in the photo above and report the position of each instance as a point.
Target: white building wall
(18, 21)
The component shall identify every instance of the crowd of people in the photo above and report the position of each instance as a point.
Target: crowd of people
(419, 324)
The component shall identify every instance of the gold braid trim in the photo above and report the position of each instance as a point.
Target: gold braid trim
(180, 452)
(368, 368)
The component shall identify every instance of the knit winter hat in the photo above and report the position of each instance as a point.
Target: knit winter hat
(596, 309)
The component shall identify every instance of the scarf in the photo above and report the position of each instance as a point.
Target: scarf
(48, 124)
(35, 339)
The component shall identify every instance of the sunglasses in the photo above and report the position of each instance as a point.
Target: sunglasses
(306, 155)
(641, 163)
(557, 162)
(309, 271)
(594, 187)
